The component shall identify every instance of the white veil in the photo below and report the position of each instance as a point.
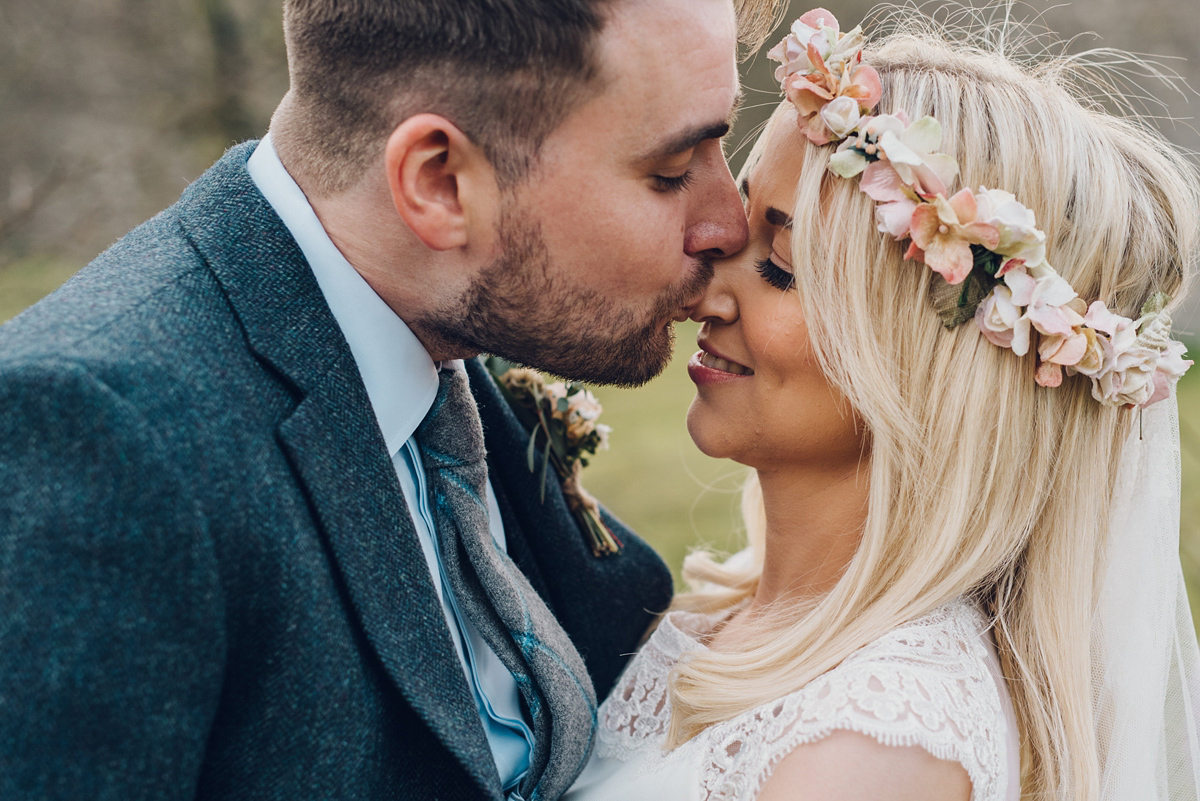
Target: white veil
(1146, 663)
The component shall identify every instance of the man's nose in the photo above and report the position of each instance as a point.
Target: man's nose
(717, 220)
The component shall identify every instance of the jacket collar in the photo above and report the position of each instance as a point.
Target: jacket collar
(335, 444)
(400, 378)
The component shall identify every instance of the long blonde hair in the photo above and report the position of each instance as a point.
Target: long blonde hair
(982, 484)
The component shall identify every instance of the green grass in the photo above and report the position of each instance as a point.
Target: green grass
(23, 283)
(1189, 513)
(655, 479)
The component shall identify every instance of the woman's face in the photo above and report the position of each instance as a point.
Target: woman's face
(761, 398)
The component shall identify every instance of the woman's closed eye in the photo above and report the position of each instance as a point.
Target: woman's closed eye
(775, 275)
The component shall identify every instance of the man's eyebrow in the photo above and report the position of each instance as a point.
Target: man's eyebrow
(687, 140)
(778, 218)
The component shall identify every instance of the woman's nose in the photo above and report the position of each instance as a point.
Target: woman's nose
(719, 304)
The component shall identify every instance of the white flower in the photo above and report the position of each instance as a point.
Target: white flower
(1129, 379)
(1045, 307)
(1171, 362)
(1019, 235)
(556, 392)
(845, 51)
(583, 410)
(895, 218)
(603, 431)
(1121, 331)
(847, 162)
(997, 316)
(841, 116)
(911, 153)
(818, 28)
(1126, 373)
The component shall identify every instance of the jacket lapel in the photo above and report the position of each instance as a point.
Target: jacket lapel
(338, 452)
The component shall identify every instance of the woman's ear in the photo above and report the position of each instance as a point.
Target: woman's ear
(442, 184)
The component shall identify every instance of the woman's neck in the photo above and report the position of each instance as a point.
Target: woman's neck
(815, 518)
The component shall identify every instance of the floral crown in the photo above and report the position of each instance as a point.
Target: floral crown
(984, 241)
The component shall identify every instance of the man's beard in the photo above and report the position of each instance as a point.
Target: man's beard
(517, 310)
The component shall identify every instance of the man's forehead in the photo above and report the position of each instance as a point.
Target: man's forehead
(669, 66)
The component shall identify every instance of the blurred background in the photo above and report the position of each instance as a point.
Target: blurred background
(109, 108)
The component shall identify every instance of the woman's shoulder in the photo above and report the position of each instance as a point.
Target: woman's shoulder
(924, 684)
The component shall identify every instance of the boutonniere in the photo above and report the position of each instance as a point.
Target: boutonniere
(561, 417)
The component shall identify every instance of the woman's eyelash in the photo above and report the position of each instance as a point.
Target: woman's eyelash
(673, 183)
(775, 275)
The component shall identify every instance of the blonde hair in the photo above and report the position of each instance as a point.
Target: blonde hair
(981, 483)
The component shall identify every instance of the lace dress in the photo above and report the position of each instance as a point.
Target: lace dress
(934, 682)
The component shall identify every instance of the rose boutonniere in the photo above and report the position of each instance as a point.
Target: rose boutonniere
(562, 420)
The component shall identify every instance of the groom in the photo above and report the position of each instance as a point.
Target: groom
(230, 564)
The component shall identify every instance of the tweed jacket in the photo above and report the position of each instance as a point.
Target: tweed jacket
(210, 587)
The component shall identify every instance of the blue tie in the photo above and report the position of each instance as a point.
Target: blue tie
(497, 598)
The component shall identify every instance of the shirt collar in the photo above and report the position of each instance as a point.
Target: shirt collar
(400, 378)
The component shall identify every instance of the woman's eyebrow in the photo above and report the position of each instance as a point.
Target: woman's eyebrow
(778, 218)
(774, 216)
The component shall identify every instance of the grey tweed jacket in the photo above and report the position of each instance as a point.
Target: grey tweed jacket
(209, 584)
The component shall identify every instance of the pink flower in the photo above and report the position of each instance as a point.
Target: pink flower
(811, 92)
(819, 64)
(944, 231)
(1128, 379)
(1094, 356)
(1048, 375)
(1064, 349)
(895, 218)
(818, 28)
(1127, 374)
(1046, 307)
(1122, 333)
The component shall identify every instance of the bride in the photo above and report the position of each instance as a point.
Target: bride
(962, 579)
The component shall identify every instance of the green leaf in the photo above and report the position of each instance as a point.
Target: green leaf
(956, 305)
(531, 450)
(1155, 303)
(985, 260)
(545, 465)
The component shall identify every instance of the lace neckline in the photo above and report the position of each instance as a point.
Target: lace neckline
(927, 683)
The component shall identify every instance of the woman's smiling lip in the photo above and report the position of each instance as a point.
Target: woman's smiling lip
(707, 366)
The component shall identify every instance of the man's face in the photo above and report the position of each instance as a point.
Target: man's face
(607, 241)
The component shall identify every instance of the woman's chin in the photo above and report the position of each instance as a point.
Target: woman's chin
(710, 431)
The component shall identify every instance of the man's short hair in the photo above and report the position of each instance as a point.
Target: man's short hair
(506, 72)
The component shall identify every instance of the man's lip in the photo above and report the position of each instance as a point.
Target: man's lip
(688, 309)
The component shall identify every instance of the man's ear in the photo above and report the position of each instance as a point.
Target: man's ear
(441, 183)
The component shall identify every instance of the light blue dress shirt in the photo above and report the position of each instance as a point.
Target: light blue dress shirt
(401, 381)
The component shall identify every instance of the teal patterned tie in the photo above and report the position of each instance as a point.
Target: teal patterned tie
(497, 598)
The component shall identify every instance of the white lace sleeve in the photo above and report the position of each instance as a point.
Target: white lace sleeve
(926, 683)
